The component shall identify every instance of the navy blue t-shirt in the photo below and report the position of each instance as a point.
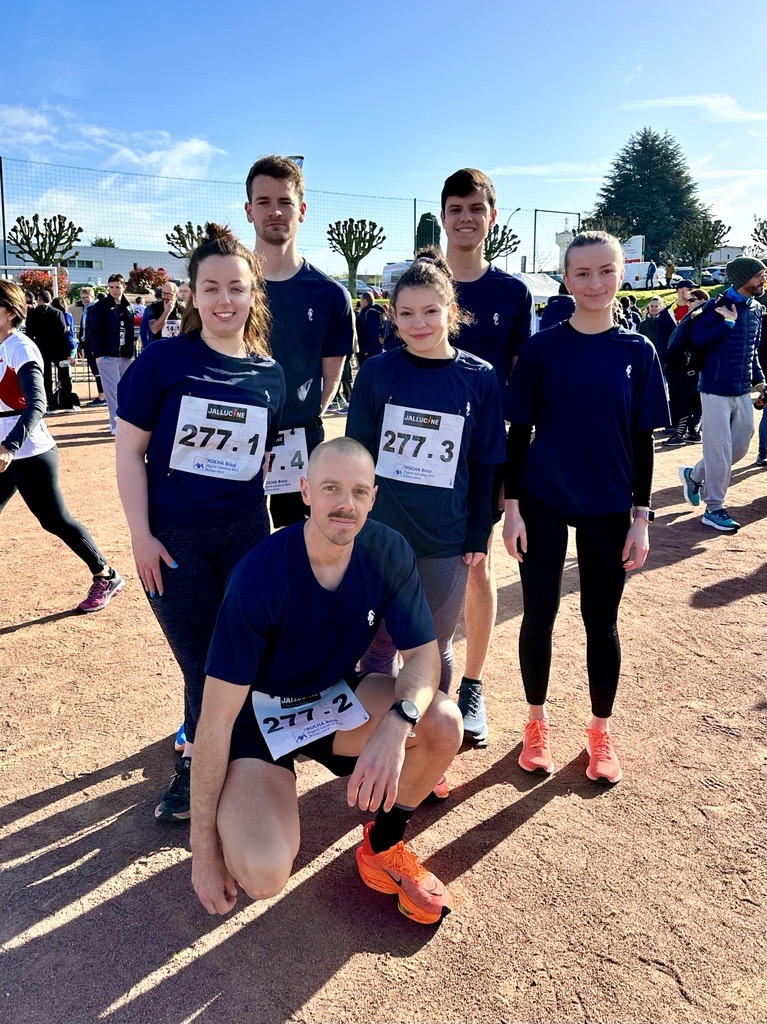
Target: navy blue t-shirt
(281, 632)
(433, 519)
(150, 396)
(311, 321)
(504, 318)
(585, 394)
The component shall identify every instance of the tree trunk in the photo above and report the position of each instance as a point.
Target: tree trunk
(352, 265)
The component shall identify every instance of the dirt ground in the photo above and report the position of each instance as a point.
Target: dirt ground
(573, 903)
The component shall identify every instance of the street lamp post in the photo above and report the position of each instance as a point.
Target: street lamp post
(505, 226)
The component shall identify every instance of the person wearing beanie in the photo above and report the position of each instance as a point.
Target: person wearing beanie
(727, 333)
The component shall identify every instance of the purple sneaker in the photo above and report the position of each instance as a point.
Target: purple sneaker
(101, 592)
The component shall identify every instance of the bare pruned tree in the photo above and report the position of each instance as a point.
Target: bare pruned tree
(183, 239)
(45, 242)
(354, 240)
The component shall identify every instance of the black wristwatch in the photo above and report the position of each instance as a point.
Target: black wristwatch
(644, 513)
(406, 709)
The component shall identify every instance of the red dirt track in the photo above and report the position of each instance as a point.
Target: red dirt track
(573, 903)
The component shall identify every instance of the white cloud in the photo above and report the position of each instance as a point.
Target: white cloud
(713, 107)
(190, 158)
(47, 133)
(23, 128)
(558, 170)
(631, 75)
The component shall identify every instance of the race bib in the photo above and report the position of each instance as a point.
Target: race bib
(219, 439)
(288, 723)
(419, 447)
(287, 462)
(171, 329)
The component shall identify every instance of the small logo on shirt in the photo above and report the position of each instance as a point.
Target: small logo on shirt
(268, 396)
(496, 319)
(310, 314)
(628, 370)
(303, 391)
(468, 409)
(371, 617)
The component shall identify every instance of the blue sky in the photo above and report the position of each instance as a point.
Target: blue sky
(386, 101)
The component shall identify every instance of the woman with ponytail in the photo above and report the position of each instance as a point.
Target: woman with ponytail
(196, 416)
(588, 466)
(430, 415)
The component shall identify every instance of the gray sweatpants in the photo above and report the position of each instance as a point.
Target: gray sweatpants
(728, 426)
(111, 369)
(444, 584)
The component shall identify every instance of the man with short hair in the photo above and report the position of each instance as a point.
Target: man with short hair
(299, 612)
(312, 326)
(164, 315)
(47, 327)
(503, 319)
(649, 326)
(728, 331)
(112, 340)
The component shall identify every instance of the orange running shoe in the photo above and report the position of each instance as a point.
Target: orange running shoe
(603, 761)
(442, 789)
(536, 752)
(422, 897)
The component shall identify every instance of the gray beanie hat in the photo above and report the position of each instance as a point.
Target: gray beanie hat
(743, 269)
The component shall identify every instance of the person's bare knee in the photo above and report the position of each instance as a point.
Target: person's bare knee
(480, 577)
(441, 728)
(260, 877)
(258, 826)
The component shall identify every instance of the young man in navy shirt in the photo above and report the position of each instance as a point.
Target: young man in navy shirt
(503, 319)
(312, 326)
(299, 612)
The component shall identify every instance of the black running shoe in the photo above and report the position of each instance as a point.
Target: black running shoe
(174, 806)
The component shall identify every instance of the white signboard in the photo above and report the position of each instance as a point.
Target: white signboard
(633, 249)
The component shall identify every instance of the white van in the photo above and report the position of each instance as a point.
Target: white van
(392, 272)
(635, 276)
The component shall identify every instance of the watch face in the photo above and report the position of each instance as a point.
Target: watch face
(410, 710)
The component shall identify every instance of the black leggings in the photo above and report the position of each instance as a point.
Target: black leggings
(37, 481)
(193, 592)
(599, 542)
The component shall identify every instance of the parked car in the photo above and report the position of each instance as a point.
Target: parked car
(706, 278)
(362, 286)
(719, 274)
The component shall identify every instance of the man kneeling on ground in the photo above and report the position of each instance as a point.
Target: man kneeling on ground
(299, 612)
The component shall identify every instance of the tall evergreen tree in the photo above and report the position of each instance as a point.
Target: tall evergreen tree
(428, 231)
(650, 187)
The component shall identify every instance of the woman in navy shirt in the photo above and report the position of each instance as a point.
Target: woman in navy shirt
(430, 416)
(196, 416)
(588, 466)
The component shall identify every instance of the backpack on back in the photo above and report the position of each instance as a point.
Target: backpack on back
(680, 354)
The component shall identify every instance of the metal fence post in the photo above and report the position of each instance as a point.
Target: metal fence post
(2, 209)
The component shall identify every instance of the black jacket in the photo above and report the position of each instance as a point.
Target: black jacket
(558, 309)
(105, 320)
(47, 327)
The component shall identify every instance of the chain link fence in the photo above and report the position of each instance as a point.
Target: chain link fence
(138, 210)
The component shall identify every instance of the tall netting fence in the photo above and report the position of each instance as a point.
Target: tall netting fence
(138, 210)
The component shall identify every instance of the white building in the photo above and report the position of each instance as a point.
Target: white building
(725, 253)
(93, 263)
